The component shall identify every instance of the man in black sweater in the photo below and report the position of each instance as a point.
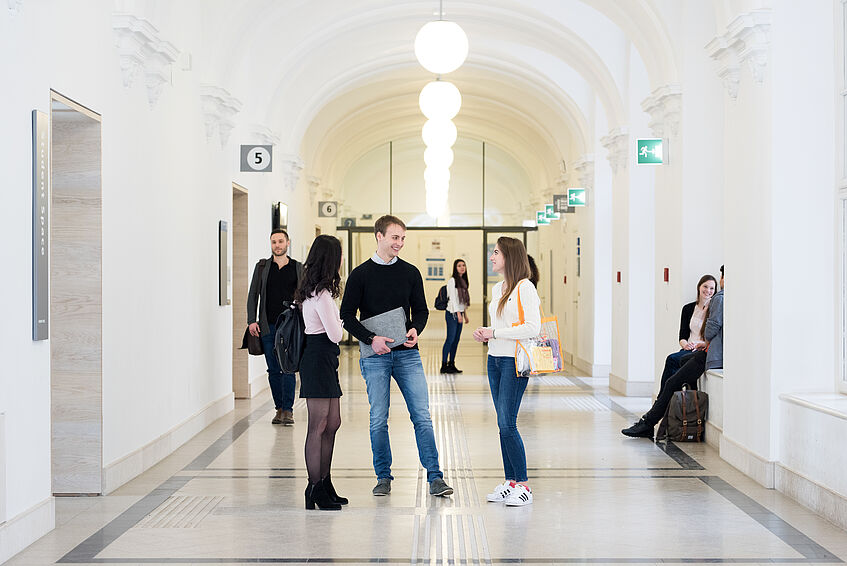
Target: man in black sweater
(379, 285)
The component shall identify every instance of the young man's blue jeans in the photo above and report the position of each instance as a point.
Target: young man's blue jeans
(507, 390)
(282, 384)
(406, 368)
(454, 332)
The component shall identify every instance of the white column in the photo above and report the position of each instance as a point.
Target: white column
(779, 225)
(633, 262)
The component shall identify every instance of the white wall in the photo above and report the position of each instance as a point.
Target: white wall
(166, 341)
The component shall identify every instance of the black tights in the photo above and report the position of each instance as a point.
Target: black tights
(324, 420)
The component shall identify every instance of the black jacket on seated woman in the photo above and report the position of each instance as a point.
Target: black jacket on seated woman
(684, 366)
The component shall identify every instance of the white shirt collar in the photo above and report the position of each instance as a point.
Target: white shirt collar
(380, 261)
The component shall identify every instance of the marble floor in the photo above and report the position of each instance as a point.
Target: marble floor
(234, 493)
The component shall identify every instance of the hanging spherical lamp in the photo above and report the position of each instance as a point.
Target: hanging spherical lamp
(439, 133)
(437, 175)
(440, 100)
(441, 46)
(435, 204)
(438, 156)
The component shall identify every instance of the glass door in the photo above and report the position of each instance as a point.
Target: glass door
(490, 279)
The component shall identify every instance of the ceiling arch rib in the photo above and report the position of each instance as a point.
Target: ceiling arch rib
(302, 94)
(491, 124)
(547, 116)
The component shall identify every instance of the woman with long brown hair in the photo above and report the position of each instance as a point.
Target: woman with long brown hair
(507, 388)
(319, 385)
(456, 315)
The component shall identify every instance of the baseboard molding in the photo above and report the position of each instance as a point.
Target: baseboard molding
(23, 530)
(713, 436)
(594, 370)
(823, 501)
(747, 462)
(630, 388)
(134, 464)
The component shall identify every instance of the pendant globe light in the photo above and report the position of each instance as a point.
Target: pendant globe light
(441, 46)
(439, 133)
(440, 100)
(438, 156)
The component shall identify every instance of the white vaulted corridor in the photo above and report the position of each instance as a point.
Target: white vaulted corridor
(149, 148)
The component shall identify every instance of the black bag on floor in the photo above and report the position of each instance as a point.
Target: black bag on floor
(685, 418)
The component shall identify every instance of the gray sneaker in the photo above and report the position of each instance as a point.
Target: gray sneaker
(439, 487)
(383, 487)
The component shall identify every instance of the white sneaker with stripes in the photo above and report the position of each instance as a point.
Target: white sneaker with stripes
(500, 493)
(519, 495)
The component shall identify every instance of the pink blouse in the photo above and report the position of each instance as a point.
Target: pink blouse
(321, 315)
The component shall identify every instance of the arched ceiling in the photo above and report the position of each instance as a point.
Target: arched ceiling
(335, 78)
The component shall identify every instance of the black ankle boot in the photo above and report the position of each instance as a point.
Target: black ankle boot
(316, 495)
(443, 369)
(330, 489)
(452, 365)
(641, 429)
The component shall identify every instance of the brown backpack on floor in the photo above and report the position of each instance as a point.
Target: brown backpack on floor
(685, 418)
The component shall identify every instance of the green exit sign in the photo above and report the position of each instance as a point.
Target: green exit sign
(650, 151)
(576, 197)
(541, 218)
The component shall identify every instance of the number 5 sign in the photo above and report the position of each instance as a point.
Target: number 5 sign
(256, 158)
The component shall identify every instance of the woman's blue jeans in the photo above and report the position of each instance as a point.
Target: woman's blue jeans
(454, 332)
(507, 390)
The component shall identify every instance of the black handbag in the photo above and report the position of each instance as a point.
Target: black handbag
(252, 343)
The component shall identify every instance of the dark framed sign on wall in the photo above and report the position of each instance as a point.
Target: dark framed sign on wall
(224, 275)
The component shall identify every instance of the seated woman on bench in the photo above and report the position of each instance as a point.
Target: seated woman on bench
(692, 351)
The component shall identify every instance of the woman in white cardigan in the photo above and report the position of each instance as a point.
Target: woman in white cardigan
(456, 315)
(509, 259)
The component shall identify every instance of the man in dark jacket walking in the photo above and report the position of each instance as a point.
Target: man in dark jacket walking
(274, 282)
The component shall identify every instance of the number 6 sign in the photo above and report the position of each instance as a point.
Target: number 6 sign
(256, 158)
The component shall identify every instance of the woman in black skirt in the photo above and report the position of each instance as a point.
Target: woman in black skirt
(319, 286)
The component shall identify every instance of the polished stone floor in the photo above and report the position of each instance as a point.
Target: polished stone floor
(234, 493)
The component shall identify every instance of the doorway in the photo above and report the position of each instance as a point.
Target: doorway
(76, 305)
(240, 278)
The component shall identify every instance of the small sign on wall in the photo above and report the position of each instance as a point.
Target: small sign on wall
(256, 158)
(40, 225)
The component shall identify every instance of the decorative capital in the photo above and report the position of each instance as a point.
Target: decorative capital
(314, 184)
(746, 42)
(584, 168)
(219, 109)
(141, 50)
(291, 166)
(265, 135)
(617, 144)
(15, 6)
(664, 106)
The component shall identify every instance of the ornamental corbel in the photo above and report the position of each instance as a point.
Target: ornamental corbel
(219, 109)
(264, 135)
(745, 43)
(15, 6)
(617, 145)
(142, 51)
(584, 168)
(291, 167)
(664, 106)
